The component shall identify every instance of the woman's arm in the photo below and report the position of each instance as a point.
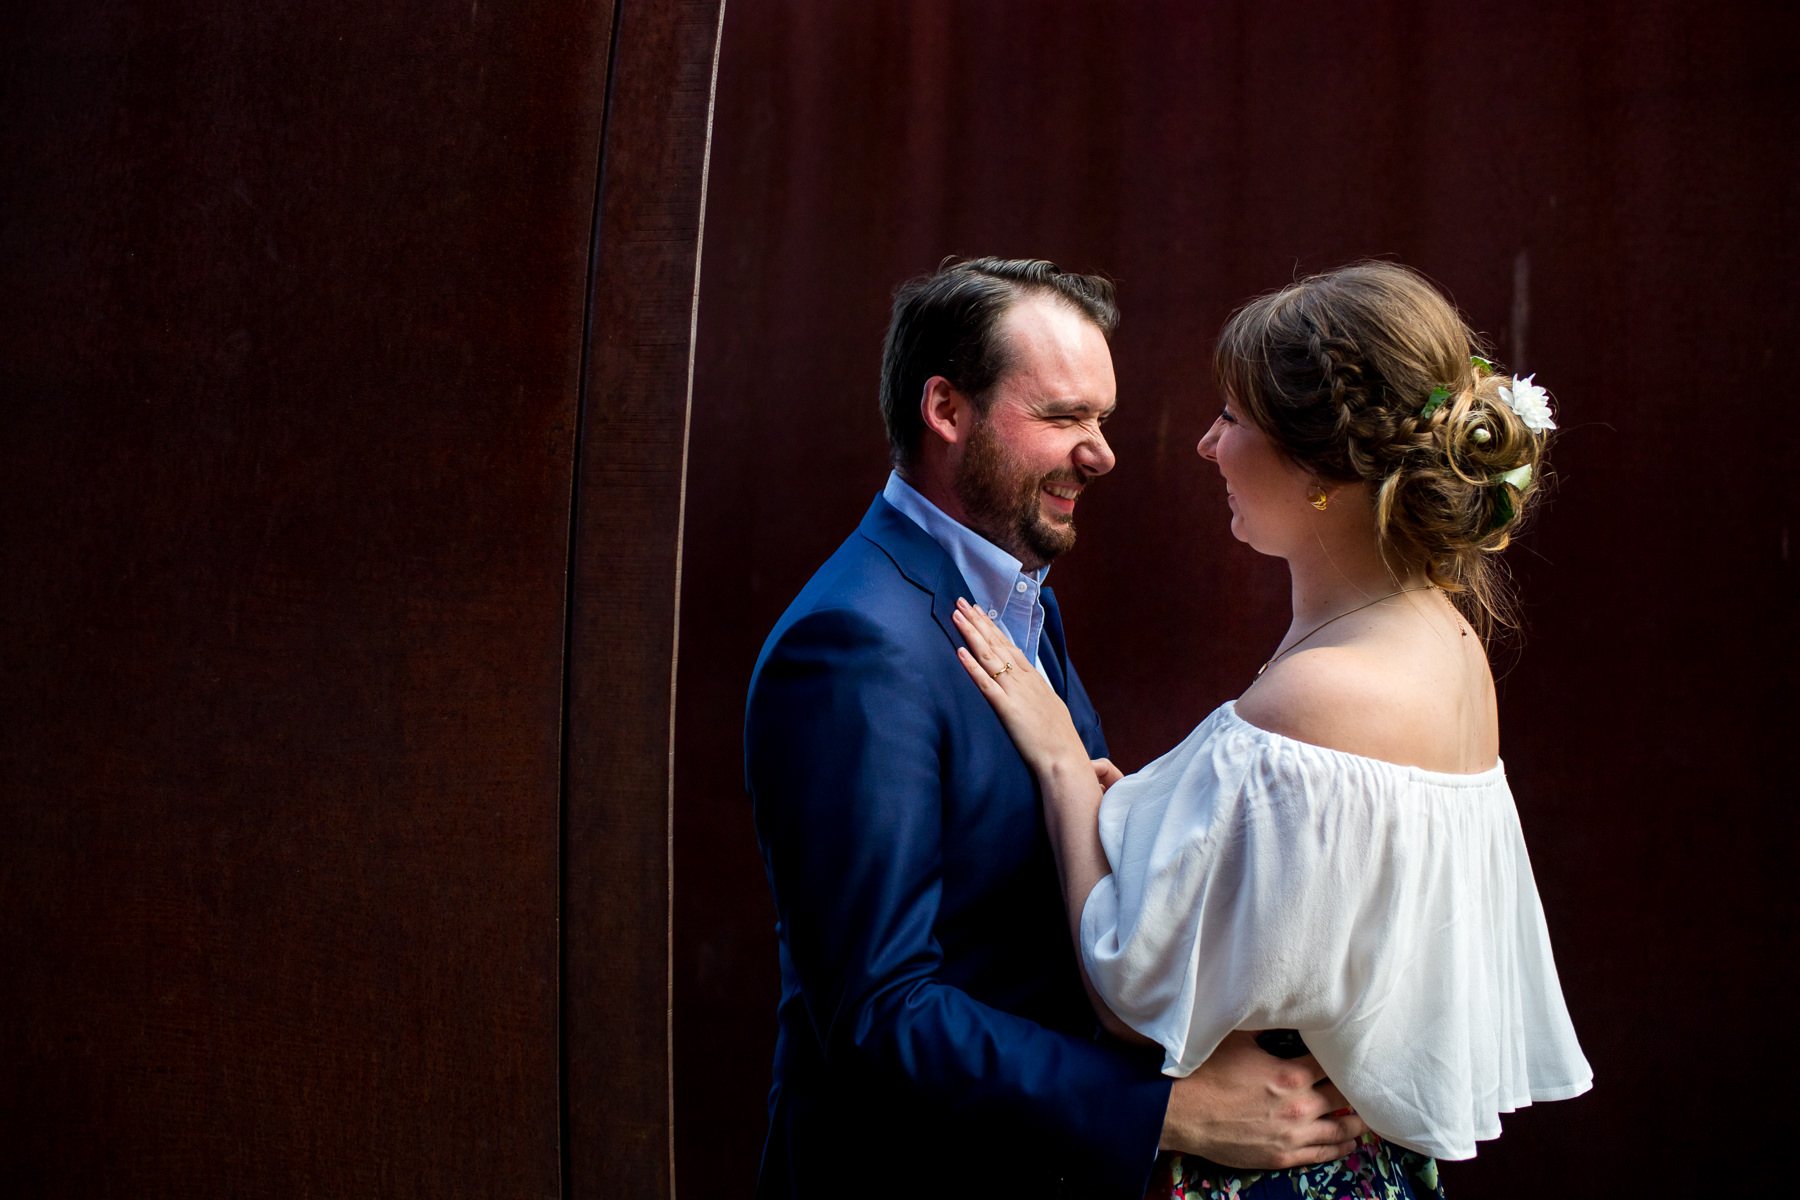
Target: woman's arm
(1070, 783)
(1241, 1106)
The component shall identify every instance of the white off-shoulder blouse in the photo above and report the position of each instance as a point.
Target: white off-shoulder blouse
(1386, 912)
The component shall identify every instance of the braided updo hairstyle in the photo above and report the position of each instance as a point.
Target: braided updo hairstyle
(1338, 370)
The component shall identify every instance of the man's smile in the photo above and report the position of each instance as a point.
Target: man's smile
(1062, 495)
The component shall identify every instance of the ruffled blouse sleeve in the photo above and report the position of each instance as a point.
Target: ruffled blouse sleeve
(1386, 912)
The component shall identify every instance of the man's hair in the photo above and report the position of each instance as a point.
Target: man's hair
(948, 323)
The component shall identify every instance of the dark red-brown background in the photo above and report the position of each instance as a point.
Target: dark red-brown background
(344, 367)
(1609, 192)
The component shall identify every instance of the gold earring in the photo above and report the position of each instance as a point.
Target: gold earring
(1319, 500)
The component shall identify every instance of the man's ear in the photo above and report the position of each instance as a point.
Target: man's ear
(947, 413)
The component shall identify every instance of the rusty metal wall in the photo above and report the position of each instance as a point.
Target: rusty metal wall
(1608, 190)
(305, 308)
(293, 351)
(625, 593)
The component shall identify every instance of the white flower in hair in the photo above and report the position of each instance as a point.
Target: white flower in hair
(1531, 402)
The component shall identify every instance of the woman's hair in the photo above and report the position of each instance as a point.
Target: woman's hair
(1340, 371)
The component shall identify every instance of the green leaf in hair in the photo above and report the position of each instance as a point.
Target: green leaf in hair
(1519, 477)
(1438, 396)
(1503, 509)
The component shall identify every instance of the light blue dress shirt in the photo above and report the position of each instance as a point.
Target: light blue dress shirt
(1009, 594)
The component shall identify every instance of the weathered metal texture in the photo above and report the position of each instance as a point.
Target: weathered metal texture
(624, 597)
(289, 353)
(1607, 190)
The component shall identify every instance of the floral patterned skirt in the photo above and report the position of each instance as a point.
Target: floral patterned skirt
(1375, 1170)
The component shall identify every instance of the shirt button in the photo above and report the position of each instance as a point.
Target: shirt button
(994, 614)
(1019, 586)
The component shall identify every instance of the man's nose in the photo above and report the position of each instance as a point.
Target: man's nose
(1095, 456)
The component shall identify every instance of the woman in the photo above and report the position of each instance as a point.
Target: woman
(1336, 851)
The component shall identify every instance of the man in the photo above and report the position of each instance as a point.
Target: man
(934, 1037)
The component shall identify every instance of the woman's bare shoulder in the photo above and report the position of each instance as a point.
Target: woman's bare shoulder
(1352, 699)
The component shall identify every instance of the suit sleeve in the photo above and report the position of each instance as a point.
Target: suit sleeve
(844, 754)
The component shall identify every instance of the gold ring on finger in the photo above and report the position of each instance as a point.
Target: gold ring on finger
(1003, 670)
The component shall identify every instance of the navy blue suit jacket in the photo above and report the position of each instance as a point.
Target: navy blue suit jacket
(933, 1036)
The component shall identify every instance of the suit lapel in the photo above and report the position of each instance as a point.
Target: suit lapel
(920, 559)
(1053, 656)
(927, 566)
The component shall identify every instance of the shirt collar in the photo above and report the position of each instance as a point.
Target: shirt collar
(989, 571)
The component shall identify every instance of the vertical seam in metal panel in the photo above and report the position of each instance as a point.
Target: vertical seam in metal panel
(687, 422)
(566, 1181)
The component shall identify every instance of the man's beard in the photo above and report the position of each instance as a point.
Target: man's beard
(1000, 500)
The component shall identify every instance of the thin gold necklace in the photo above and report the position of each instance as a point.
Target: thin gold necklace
(1339, 617)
